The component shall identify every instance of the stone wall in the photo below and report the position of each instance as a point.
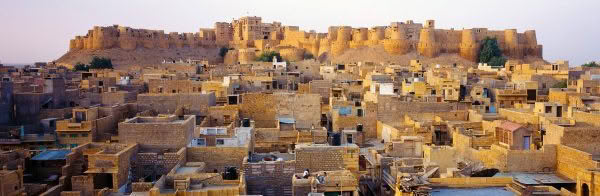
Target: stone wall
(82, 184)
(127, 38)
(264, 108)
(194, 103)
(581, 137)
(570, 161)
(217, 158)
(269, 178)
(170, 135)
(326, 158)
(587, 117)
(153, 163)
(160, 86)
(368, 119)
(391, 109)
(258, 107)
(397, 38)
(304, 108)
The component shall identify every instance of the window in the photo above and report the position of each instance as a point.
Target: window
(73, 145)
(220, 142)
(74, 135)
(221, 131)
(209, 131)
(199, 142)
(63, 135)
(359, 112)
(548, 109)
(84, 135)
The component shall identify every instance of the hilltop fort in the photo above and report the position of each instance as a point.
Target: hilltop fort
(249, 36)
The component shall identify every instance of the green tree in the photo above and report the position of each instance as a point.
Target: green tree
(490, 52)
(591, 64)
(81, 67)
(101, 63)
(268, 56)
(223, 51)
(561, 84)
(497, 61)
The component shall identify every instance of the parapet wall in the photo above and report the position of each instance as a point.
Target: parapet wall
(100, 38)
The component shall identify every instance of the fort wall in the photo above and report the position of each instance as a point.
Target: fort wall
(249, 32)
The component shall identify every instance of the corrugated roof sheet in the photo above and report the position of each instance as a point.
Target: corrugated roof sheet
(51, 155)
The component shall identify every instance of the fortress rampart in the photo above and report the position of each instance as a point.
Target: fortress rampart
(249, 32)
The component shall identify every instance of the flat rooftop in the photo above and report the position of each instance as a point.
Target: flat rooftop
(536, 178)
(161, 119)
(485, 191)
(188, 170)
(260, 157)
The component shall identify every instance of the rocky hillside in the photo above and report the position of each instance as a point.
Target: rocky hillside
(122, 59)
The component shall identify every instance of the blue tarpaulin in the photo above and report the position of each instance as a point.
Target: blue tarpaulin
(492, 109)
(345, 111)
(51, 155)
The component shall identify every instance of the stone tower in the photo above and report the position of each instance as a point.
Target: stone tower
(469, 48)
(398, 43)
(511, 44)
(427, 44)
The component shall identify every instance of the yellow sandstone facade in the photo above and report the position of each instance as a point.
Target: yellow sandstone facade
(250, 32)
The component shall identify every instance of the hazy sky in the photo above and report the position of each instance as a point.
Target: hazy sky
(40, 30)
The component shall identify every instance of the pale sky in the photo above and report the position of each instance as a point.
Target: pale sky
(40, 30)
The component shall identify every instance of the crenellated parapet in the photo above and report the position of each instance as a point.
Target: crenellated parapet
(100, 38)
